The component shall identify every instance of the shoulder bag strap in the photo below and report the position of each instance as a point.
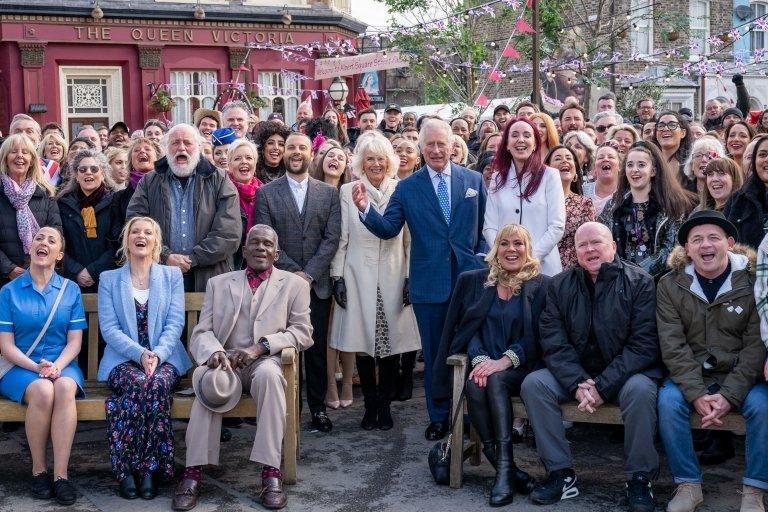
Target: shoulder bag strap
(50, 316)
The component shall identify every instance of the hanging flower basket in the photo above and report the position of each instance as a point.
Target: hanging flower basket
(673, 35)
(257, 101)
(162, 102)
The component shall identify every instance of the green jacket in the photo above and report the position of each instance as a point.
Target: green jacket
(724, 334)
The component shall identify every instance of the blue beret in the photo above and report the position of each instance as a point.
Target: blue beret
(223, 136)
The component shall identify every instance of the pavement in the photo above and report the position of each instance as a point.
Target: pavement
(351, 470)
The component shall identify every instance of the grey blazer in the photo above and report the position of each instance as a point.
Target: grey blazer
(309, 244)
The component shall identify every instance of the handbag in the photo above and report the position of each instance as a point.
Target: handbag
(5, 365)
(440, 455)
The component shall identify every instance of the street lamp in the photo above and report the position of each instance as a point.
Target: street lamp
(338, 91)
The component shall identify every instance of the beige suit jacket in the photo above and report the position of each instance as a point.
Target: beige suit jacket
(280, 313)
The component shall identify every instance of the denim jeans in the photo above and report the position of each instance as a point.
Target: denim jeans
(675, 430)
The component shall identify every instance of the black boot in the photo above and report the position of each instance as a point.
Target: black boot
(503, 491)
(405, 378)
(366, 369)
(489, 450)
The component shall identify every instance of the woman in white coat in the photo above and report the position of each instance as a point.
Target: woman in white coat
(524, 191)
(374, 318)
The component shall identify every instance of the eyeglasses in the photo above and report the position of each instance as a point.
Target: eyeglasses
(709, 155)
(601, 129)
(718, 172)
(93, 168)
(672, 125)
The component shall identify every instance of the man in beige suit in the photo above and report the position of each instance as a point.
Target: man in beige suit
(248, 318)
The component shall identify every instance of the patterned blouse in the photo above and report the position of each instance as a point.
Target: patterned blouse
(142, 323)
(578, 210)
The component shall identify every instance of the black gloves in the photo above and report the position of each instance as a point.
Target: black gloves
(340, 292)
(737, 79)
(407, 293)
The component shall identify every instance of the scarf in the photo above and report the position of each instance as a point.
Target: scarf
(247, 193)
(86, 208)
(19, 197)
(135, 178)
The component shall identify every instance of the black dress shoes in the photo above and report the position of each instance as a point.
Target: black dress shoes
(322, 422)
(370, 419)
(148, 489)
(128, 488)
(385, 419)
(436, 430)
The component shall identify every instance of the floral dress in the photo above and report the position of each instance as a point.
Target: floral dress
(578, 210)
(139, 427)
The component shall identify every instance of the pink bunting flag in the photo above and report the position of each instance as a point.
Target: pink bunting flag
(494, 76)
(482, 101)
(529, 3)
(523, 26)
(511, 52)
(243, 67)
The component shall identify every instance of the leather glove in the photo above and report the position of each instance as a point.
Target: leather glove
(737, 79)
(340, 292)
(407, 293)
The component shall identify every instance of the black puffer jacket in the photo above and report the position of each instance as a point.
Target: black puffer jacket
(623, 317)
(12, 254)
(748, 210)
(95, 254)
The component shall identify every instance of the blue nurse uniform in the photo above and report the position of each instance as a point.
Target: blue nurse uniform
(23, 312)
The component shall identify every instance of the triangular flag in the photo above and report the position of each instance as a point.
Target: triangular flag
(494, 76)
(482, 100)
(523, 26)
(243, 67)
(529, 3)
(511, 52)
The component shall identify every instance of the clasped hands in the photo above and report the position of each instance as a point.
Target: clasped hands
(48, 370)
(588, 397)
(149, 362)
(236, 357)
(711, 408)
(485, 369)
(182, 261)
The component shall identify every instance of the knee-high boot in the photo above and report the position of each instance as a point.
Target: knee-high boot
(480, 415)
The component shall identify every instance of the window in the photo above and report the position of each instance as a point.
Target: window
(282, 91)
(641, 35)
(757, 37)
(90, 95)
(192, 90)
(699, 14)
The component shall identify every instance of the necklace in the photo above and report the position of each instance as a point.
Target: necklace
(139, 282)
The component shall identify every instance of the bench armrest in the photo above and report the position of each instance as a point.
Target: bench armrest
(457, 360)
(288, 356)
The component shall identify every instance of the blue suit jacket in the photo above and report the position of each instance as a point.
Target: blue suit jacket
(117, 318)
(433, 242)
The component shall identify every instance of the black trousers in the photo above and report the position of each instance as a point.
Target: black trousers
(315, 359)
(490, 408)
(377, 395)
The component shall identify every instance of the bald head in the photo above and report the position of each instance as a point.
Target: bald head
(594, 246)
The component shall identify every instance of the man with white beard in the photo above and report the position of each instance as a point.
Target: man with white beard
(196, 206)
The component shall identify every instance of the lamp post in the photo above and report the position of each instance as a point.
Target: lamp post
(338, 91)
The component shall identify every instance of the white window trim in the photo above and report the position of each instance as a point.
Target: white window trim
(685, 96)
(647, 4)
(115, 74)
(265, 92)
(764, 32)
(187, 94)
(705, 50)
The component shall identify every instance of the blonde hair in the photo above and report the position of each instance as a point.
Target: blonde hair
(376, 143)
(464, 150)
(35, 171)
(237, 145)
(123, 253)
(143, 140)
(624, 127)
(531, 266)
(551, 136)
(58, 139)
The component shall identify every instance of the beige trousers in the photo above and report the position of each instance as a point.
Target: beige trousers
(264, 379)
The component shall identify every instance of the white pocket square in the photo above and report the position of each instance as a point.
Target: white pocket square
(470, 193)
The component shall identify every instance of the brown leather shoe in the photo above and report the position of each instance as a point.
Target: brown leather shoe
(186, 495)
(272, 495)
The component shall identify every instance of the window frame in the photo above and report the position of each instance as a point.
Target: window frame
(186, 100)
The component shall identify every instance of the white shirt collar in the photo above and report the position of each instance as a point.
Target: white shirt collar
(298, 184)
(446, 171)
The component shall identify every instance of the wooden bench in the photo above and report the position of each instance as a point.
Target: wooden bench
(91, 408)
(605, 415)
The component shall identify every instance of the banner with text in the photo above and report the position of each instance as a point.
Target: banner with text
(345, 66)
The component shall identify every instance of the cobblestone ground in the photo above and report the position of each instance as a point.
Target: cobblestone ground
(353, 470)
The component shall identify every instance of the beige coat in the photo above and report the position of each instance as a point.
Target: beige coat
(365, 262)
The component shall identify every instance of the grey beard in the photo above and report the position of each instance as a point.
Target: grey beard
(185, 172)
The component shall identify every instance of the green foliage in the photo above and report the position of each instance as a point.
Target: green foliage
(626, 101)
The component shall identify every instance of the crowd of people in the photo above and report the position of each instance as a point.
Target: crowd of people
(599, 260)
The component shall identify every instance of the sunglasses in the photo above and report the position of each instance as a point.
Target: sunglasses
(93, 168)
(603, 129)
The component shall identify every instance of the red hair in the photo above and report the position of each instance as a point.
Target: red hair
(534, 165)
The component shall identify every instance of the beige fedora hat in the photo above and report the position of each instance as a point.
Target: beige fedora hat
(218, 389)
(206, 112)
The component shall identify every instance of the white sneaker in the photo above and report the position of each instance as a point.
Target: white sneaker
(752, 499)
(688, 497)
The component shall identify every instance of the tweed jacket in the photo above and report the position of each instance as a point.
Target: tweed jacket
(308, 241)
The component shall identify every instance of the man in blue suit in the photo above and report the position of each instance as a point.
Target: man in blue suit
(443, 205)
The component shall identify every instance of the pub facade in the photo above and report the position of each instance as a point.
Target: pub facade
(79, 65)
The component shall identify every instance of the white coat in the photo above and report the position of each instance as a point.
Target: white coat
(365, 262)
(542, 214)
